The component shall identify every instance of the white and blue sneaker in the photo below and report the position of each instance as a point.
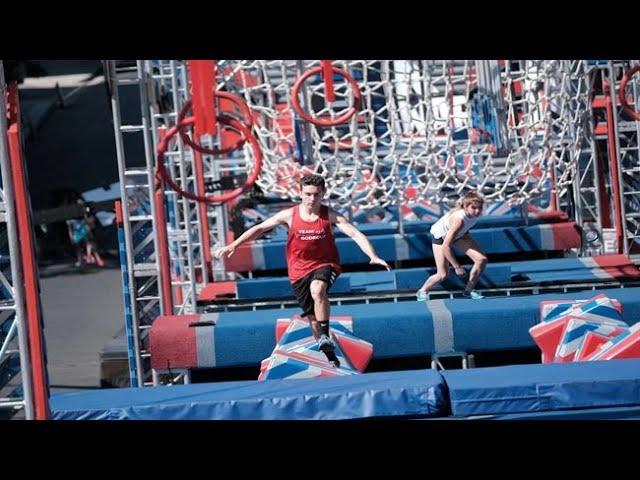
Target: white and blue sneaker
(326, 344)
(472, 294)
(421, 295)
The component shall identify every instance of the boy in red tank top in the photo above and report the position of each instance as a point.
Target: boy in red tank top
(312, 256)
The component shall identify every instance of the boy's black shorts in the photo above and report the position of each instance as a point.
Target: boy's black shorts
(302, 288)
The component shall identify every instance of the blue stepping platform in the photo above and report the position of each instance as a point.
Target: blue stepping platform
(401, 329)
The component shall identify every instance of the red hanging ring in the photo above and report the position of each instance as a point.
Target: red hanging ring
(214, 151)
(357, 98)
(622, 96)
(164, 176)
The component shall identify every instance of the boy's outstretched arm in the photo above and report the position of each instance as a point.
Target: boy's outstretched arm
(280, 218)
(361, 240)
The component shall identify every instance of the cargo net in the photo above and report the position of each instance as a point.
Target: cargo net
(423, 130)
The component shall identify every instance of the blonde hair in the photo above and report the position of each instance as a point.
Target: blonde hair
(469, 198)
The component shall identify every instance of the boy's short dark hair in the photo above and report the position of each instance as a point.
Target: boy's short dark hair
(313, 179)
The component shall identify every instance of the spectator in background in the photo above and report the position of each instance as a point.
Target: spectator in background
(81, 234)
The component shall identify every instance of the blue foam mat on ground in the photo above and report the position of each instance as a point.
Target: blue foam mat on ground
(543, 388)
(411, 328)
(615, 413)
(582, 390)
(384, 394)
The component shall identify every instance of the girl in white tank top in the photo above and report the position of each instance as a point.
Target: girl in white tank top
(440, 229)
(451, 230)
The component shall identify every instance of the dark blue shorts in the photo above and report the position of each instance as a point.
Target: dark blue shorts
(437, 241)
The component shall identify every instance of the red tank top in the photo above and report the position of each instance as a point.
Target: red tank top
(310, 245)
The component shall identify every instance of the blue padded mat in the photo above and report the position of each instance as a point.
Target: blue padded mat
(385, 394)
(374, 281)
(411, 328)
(540, 388)
(615, 413)
(495, 275)
(547, 265)
(387, 228)
(416, 246)
(584, 275)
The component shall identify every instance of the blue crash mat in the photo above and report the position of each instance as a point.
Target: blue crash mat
(543, 388)
(413, 393)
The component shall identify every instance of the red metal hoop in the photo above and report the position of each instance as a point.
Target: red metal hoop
(357, 97)
(621, 93)
(214, 151)
(164, 176)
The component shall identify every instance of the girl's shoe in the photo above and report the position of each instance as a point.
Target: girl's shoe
(472, 294)
(421, 295)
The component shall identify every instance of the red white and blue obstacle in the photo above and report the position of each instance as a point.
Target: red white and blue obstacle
(585, 330)
(296, 354)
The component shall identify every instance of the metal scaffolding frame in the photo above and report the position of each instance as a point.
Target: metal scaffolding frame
(608, 169)
(24, 384)
(581, 198)
(15, 365)
(168, 93)
(191, 230)
(167, 242)
(137, 188)
(627, 148)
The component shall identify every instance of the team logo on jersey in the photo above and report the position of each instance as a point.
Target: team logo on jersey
(311, 234)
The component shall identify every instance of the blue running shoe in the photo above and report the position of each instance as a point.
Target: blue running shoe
(421, 295)
(472, 294)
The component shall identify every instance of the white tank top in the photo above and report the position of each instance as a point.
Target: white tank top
(442, 226)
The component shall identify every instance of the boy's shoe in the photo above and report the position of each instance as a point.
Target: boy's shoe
(472, 294)
(326, 344)
(333, 359)
(421, 295)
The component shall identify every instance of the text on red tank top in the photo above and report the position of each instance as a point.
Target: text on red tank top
(310, 244)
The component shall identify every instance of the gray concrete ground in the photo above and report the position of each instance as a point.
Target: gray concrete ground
(82, 312)
(72, 147)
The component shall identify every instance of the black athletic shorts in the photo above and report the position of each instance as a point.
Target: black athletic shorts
(437, 241)
(302, 288)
